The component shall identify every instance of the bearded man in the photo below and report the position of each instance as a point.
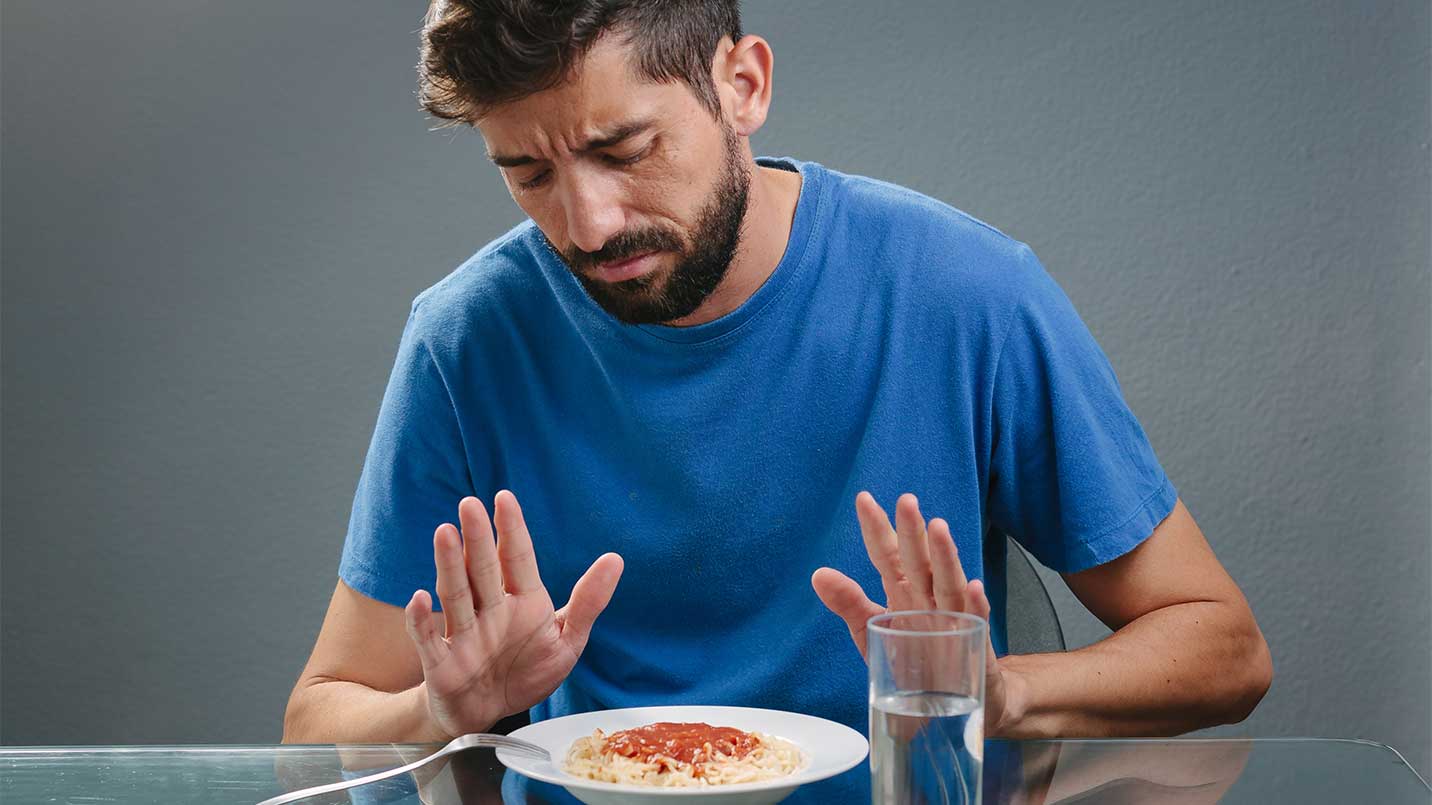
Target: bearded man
(704, 373)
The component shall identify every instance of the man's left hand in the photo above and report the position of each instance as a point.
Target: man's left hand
(920, 569)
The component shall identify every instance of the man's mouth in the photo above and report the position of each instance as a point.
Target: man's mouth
(625, 269)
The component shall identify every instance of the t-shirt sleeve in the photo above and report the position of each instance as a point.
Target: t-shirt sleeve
(1072, 475)
(414, 475)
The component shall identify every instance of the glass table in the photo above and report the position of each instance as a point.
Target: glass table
(1259, 771)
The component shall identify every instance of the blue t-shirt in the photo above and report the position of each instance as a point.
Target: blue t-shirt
(899, 346)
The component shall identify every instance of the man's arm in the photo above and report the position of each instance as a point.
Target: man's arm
(1186, 652)
(363, 682)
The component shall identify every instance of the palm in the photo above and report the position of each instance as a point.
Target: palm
(505, 647)
(920, 570)
(515, 652)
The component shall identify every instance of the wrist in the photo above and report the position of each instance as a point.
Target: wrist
(1013, 714)
(427, 729)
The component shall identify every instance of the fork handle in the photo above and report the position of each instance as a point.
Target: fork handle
(469, 741)
(305, 793)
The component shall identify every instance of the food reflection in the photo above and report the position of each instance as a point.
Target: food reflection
(1184, 772)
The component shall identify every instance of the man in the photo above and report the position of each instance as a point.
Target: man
(688, 363)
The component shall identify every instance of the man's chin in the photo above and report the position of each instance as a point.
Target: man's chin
(633, 301)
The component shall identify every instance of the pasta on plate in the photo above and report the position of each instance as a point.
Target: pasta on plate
(681, 754)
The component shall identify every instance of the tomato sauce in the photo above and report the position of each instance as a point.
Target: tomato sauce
(685, 743)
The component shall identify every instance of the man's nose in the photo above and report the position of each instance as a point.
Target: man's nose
(594, 212)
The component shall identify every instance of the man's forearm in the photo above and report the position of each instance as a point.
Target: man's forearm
(336, 711)
(1170, 671)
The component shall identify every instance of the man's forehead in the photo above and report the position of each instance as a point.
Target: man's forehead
(603, 98)
(525, 128)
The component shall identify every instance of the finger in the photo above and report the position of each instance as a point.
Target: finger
(979, 605)
(978, 601)
(843, 596)
(453, 589)
(514, 547)
(591, 594)
(914, 549)
(949, 574)
(884, 552)
(483, 570)
(423, 630)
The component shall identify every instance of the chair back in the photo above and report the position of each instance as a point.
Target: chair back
(1031, 623)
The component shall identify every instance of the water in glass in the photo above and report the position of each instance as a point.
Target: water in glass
(926, 748)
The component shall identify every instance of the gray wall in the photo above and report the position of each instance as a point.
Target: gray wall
(215, 216)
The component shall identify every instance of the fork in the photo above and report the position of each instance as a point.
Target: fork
(458, 744)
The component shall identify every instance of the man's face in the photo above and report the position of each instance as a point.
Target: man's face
(634, 184)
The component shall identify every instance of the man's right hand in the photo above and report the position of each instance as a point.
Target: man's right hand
(505, 648)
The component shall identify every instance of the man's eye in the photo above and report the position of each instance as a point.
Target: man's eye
(616, 159)
(535, 182)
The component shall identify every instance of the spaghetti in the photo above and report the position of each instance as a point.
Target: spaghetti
(670, 754)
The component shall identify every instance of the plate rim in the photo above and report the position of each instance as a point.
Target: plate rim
(793, 781)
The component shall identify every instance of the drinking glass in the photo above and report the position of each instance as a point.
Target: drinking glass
(927, 672)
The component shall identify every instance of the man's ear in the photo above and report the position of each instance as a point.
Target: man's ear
(742, 72)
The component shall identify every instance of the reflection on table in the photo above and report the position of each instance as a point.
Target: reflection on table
(1179, 771)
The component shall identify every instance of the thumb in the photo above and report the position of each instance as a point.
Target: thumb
(591, 594)
(418, 617)
(843, 596)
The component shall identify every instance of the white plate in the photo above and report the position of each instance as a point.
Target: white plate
(827, 749)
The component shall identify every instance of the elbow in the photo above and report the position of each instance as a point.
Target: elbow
(295, 715)
(1255, 679)
(292, 719)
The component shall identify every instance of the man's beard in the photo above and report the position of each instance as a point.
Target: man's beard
(664, 296)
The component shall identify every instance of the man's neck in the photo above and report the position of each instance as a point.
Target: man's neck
(770, 212)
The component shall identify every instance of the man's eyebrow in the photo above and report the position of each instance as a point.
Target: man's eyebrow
(510, 162)
(622, 132)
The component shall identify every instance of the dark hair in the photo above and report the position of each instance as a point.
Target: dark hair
(477, 54)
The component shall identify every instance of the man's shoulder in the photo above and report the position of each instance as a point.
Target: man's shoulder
(878, 202)
(485, 290)
(493, 271)
(929, 244)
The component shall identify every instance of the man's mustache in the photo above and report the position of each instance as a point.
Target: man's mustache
(625, 246)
